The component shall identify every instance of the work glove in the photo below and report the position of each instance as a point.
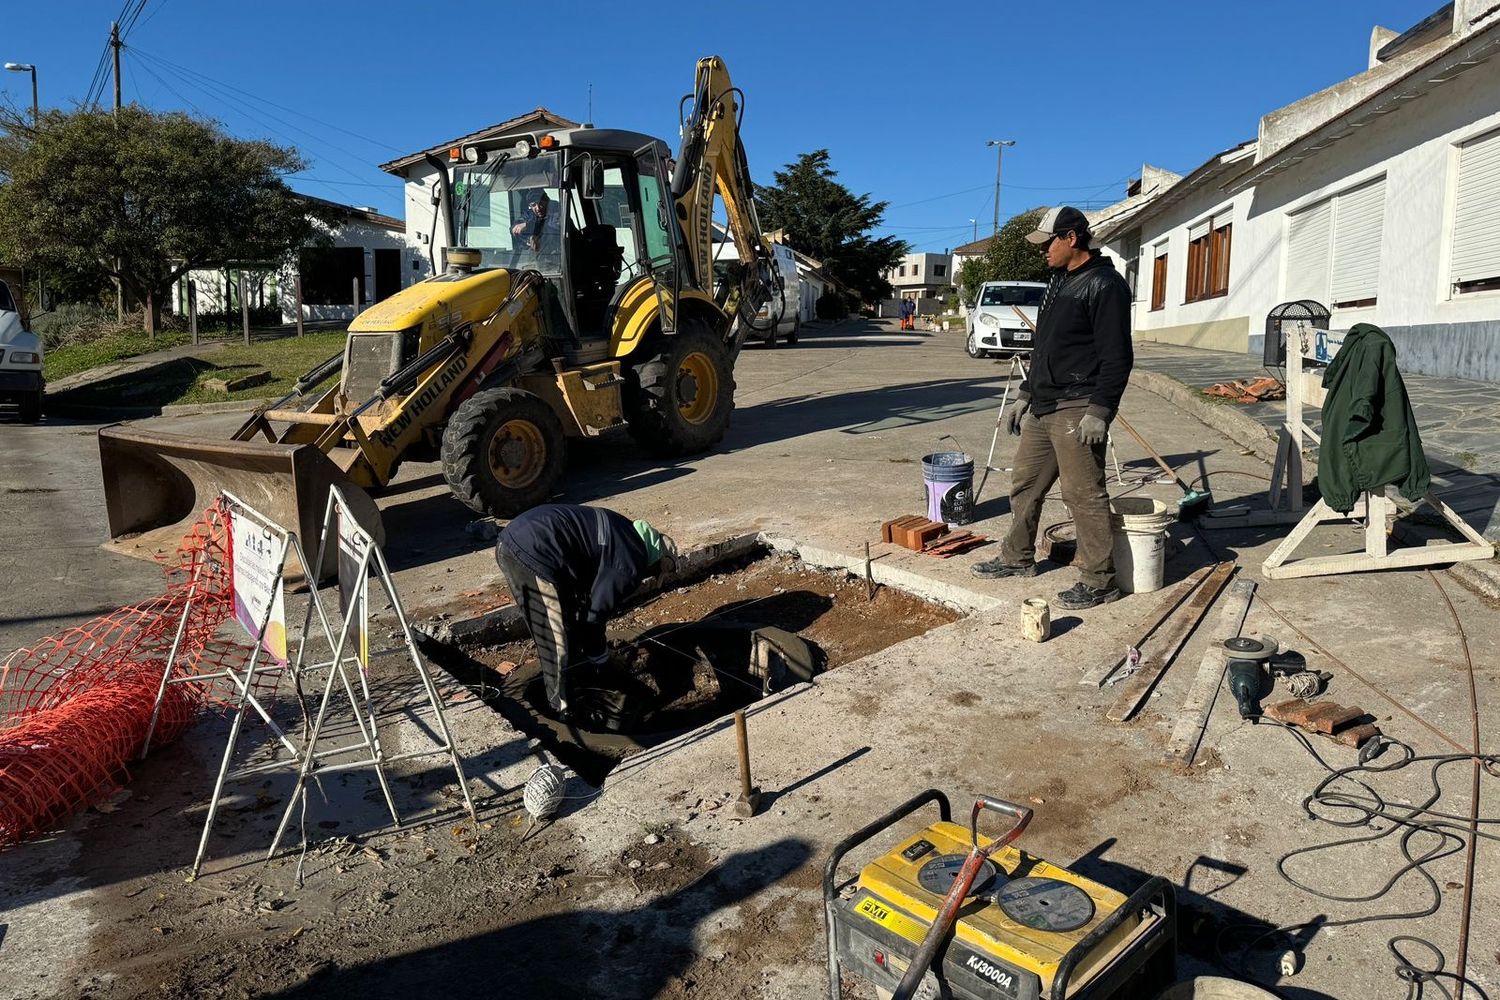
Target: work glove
(1092, 430)
(1018, 409)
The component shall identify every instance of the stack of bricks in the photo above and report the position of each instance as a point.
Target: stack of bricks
(912, 532)
(1349, 726)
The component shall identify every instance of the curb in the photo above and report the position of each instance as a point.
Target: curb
(1242, 430)
(1481, 577)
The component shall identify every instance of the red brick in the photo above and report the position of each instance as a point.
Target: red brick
(1329, 722)
(1355, 736)
(1292, 712)
(926, 533)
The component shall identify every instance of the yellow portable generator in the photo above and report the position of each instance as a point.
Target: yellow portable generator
(1022, 929)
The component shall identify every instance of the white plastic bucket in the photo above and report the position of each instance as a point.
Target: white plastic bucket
(1140, 549)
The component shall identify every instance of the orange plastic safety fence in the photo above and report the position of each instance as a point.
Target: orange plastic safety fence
(75, 707)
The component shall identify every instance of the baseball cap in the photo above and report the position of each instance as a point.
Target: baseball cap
(1059, 219)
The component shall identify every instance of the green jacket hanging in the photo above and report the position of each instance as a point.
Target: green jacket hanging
(1370, 437)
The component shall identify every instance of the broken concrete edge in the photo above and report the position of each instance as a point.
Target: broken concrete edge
(924, 587)
(65, 409)
(503, 624)
(1480, 576)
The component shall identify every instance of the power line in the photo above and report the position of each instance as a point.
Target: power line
(270, 103)
(242, 108)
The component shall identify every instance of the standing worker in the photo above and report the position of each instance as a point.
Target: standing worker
(570, 568)
(1080, 364)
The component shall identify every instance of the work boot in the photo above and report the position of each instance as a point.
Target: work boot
(995, 569)
(1080, 596)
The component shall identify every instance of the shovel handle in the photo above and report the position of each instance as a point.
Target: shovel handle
(1021, 815)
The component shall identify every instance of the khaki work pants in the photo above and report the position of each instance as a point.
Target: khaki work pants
(1050, 450)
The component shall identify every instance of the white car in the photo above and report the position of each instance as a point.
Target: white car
(20, 361)
(787, 308)
(993, 323)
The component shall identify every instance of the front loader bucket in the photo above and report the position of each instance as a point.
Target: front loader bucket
(156, 485)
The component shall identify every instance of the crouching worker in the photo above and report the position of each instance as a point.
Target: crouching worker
(570, 568)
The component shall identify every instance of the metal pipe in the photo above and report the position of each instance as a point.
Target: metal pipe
(742, 736)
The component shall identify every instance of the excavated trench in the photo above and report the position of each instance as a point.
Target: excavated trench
(744, 629)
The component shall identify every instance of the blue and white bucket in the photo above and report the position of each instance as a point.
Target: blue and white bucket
(948, 480)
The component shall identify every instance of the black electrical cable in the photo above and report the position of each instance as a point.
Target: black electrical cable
(1413, 820)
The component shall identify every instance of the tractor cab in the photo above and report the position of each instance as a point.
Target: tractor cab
(585, 208)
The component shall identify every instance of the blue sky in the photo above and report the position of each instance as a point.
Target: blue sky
(904, 95)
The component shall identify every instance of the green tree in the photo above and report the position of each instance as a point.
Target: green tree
(144, 197)
(824, 219)
(1009, 257)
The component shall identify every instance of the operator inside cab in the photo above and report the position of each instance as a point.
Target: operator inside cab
(570, 569)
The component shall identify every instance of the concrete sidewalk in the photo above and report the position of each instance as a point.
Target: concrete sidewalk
(826, 443)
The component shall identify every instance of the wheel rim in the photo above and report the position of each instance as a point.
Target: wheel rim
(697, 388)
(517, 454)
(973, 346)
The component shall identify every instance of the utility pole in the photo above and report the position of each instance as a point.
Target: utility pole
(975, 224)
(116, 45)
(999, 145)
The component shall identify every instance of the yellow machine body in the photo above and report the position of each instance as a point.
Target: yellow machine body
(898, 903)
(489, 367)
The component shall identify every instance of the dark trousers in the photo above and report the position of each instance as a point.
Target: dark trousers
(1050, 450)
(549, 621)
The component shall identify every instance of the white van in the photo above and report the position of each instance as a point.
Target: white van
(993, 323)
(20, 360)
(787, 307)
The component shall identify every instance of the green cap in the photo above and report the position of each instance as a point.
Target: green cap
(652, 539)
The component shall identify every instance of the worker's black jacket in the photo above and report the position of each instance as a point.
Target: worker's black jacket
(1082, 355)
(593, 556)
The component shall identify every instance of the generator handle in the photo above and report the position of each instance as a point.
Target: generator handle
(1021, 815)
(1157, 893)
(849, 843)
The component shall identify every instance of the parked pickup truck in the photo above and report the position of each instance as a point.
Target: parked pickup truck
(21, 382)
(993, 324)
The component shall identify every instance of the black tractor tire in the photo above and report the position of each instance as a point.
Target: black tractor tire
(664, 401)
(791, 338)
(503, 451)
(31, 408)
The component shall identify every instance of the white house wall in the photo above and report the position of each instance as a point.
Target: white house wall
(1221, 323)
(1436, 331)
(1415, 148)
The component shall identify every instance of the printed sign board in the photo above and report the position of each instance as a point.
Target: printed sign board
(354, 596)
(256, 557)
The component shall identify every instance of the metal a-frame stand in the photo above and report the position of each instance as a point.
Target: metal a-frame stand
(285, 543)
(370, 559)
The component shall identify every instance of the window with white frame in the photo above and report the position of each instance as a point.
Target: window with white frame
(1475, 263)
(1333, 248)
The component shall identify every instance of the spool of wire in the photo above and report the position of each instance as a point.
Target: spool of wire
(1304, 684)
(544, 792)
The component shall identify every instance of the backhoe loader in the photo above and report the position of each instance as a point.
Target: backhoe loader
(577, 296)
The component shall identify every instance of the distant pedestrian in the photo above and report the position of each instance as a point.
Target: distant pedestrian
(1080, 363)
(570, 569)
(908, 310)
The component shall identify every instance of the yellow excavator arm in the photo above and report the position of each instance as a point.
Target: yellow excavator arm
(712, 161)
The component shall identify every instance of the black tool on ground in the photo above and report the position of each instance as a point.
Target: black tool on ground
(1247, 674)
(949, 912)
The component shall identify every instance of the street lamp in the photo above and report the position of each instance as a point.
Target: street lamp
(999, 145)
(975, 224)
(27, 68)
